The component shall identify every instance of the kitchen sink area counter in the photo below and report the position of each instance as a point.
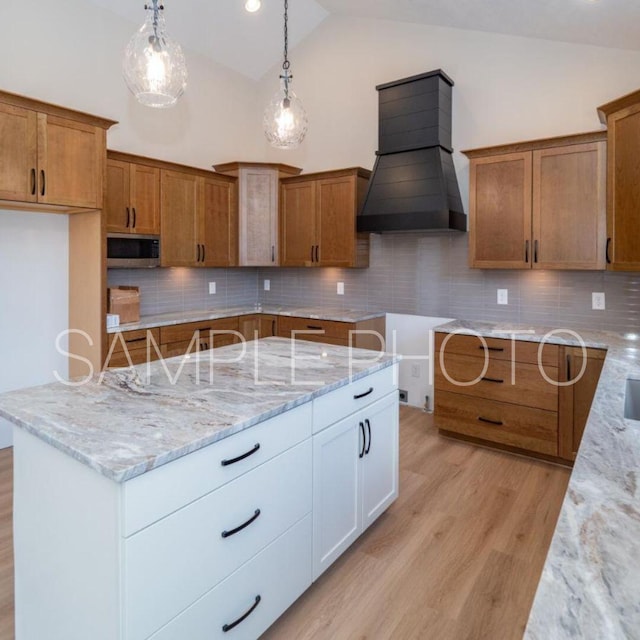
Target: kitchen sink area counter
(591, 579)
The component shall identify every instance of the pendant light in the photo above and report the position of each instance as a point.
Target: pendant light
(154, 66)
(285, 120)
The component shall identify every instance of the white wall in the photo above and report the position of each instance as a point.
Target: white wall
(34, 294)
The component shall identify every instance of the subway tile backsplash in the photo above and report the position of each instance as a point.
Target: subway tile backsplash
(422, 274)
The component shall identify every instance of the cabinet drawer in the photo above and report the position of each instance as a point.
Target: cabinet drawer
(177, 560)
(133, 339)
(206, 342)
(516, 426)
(137, 356)
(342, 402)
(331, 328)
(278, 574)
(156, 494)
(184, 332)
(520, 384)
(498, 348)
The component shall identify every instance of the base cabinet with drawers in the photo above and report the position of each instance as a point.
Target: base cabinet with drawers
(514, 394)
(221, 540)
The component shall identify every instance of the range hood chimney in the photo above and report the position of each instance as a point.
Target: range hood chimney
(414, 185)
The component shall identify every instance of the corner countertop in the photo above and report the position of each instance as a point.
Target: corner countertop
(590, 584)
(180, 317)
(126, 422)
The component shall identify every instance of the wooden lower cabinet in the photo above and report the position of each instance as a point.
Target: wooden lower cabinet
(258, 325)
(514, 394)
(125, 348)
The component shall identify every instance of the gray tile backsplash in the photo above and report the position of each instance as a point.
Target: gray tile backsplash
(420, 274)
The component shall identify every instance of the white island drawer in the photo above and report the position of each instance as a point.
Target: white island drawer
(172, 563)
(157, 493)
(342, 402)
(268, 584)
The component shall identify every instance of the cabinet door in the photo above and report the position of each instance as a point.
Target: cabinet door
(336, 221)
(179, 215)
(576, 400)
(298, 224)
(70, 162)
(569, 207)
(249, 327)
(380, 463)
(117, 207)
(145, 199)
(500, 212)
(18, 154)
(337, 514)
(268, 326)
(623, 205)
(258, 228)
(218, 224)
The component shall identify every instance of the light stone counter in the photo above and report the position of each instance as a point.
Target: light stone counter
(180, 317)
(133, 420)
(590, 584)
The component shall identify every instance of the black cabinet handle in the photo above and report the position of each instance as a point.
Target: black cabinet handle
(128, 217)
(607, 255)
(134, 218)
(317, 250)
(242, 618)
(568, 367)
(363, 395)
(364, 440)
(273, 253)
(535, 251)
(244, 525)
(198, 258)
(273, 327)
(496, 380)
(226, 463)
(130, 340)
(499, 423)
(314, 327)
(526, 251)
(311, 253)
(44, 182)
(204, 252)
(366, 451)
(491, 348)
(33, 182)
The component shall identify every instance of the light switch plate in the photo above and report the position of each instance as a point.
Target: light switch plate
(212, 288)
(503, 296)
(597, 301)
(340, 288)
(267, 285)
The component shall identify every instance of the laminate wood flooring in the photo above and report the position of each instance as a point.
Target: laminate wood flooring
(457, 557)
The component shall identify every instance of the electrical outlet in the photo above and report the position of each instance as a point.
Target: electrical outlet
(212, 288)
(340, 288)
(503, 296)
(403, 395)
(415, 370)
(597, 301)
(267, 285)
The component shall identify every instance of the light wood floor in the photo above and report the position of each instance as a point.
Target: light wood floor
(458, 556)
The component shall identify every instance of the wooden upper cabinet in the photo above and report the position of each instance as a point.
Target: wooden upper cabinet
(539, 204)
(622, 118)
(258, 228)
(199, 219)
(52, 158)
(500, 211)
(318, 219)
(132, 203)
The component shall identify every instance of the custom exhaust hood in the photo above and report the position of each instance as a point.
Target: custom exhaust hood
(414, 186)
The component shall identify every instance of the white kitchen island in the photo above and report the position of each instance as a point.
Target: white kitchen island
(201, 505)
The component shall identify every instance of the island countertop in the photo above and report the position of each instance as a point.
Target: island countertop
(590, 584)
(129, 421)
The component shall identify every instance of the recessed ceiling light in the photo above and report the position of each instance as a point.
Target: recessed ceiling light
(252, 5)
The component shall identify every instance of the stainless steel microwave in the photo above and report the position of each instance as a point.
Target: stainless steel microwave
(131, 251)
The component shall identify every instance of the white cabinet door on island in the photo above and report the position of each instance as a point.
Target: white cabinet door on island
(163, 510)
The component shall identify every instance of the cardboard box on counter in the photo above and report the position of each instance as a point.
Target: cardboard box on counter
(125, 301)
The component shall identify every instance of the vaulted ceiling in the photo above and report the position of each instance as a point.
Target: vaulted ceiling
(252, 43)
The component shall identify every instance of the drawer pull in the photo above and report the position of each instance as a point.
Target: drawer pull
(242, 618)
(496, 380)
(363, 395)
(364, 439)
(314, 327)
(135, 339)
(33, 182)
(491, 348)
(244, 525)
(496, 422)
(226, 463)
(366, 451)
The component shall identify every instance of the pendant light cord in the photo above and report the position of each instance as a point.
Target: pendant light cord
(286, 64)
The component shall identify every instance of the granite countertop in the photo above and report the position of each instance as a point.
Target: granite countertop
(125, 422)
(590, 584)
(180, 317)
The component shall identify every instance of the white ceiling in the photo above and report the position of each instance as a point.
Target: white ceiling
(252, 43)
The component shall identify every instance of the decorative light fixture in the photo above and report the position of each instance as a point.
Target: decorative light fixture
(285, 120)
(154, 66)
(252, 5)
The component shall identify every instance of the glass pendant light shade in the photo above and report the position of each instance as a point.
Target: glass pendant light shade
(285, 120)
(154, 66)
